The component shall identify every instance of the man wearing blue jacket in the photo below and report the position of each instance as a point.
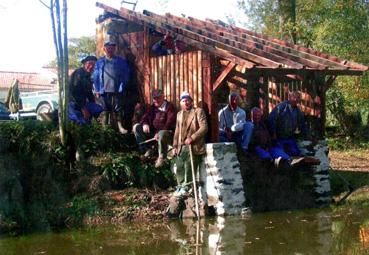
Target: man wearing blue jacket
(111, 77)
(286, 121)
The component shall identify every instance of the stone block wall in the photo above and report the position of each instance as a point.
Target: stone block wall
(224, 184)
(322, 186)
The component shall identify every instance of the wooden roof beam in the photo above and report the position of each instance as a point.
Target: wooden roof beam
(302, 57)
(140, 18)
(249, 55)
(319, 56)
(246, 45)
(223, 75)
(162, 28)
(249, 41)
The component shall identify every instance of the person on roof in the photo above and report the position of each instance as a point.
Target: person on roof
(82, 106)
(168, 45)
(233, 126)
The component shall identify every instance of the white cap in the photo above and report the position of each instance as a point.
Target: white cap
(185, 95)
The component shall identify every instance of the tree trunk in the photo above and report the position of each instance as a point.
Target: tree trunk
(61, 47)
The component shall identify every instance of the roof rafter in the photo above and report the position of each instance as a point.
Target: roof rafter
(303, 51)
(245, 46)
(163, 28)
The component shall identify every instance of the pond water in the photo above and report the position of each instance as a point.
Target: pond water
(339, 231)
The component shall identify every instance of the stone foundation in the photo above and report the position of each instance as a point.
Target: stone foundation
(224, 184)
(322, 186)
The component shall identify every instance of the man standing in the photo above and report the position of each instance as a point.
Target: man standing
(158, 123)
(233, 126)
(111, 77)
(82, 104)
(191, 128)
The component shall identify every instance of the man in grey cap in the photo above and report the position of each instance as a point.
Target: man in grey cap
(111, 77)
(158, 122)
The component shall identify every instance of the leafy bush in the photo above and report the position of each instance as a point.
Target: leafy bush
(128, 170)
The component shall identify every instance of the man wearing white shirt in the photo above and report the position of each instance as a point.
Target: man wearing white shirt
(233, 126)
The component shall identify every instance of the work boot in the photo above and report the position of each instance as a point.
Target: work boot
(281, 163)
(104, 118)
(297, 161)
(159, 161)
(149, 153)
(311, 161)
(121, 129)
(119, 120)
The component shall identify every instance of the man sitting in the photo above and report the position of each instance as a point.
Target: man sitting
(261, 141)
(233, 126)
(286, 121)
(159, 123)
(82, 106)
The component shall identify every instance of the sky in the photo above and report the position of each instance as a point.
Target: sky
(26, 42)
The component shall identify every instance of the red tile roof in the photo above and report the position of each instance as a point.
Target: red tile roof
(28, 81)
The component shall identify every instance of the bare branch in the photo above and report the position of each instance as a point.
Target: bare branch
(48, 7)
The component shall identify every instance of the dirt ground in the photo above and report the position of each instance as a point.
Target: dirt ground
(353, 160)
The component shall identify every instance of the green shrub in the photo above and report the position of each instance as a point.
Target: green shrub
(128, 170)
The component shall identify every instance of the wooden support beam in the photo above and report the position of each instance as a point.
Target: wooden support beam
(295, 49)
(242, 44)
(188, 37)
(223, 75)
(255, 41)
(192, 38)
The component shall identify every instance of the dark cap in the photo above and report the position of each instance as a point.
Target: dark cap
(157, 93)
(88, 58)
(109, 43)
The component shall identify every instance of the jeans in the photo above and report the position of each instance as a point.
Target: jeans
(76, 115)
(240, 138)
(272, 153)
(289, 145)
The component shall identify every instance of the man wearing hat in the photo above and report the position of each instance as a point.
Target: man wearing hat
(233, 126)
(191, 129)
(82, 104)
(111, 78)
(159, 123)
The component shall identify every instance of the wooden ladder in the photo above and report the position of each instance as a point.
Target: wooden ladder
(133, 3)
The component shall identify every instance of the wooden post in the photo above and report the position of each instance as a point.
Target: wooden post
(146, 64)
(209, 101)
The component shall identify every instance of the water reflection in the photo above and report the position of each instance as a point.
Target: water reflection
(303, 232)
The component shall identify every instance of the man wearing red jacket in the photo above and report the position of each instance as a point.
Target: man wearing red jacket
(158, 122)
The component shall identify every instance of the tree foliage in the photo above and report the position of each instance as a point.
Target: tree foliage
(78, 49)
(336, 27)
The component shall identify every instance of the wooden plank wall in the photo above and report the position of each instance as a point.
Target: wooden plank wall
(278, 92)
(177, 73)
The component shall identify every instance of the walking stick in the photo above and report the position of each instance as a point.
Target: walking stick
(148, 141)
(194, 182)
